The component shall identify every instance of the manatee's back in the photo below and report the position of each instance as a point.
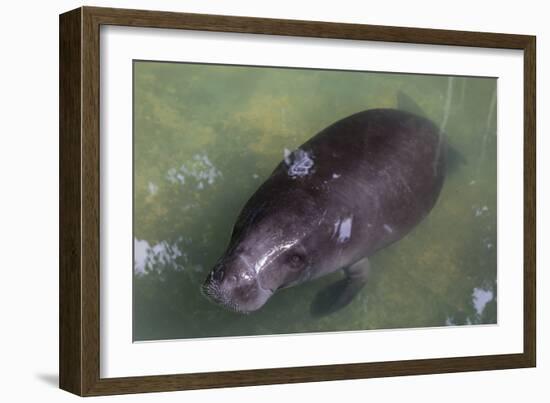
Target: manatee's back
(383, 166)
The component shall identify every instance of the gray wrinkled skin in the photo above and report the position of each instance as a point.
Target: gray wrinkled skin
(357, 186)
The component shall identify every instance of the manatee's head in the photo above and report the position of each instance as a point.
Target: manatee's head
(268, 250)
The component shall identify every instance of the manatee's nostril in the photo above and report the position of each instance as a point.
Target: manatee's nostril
(218, 275)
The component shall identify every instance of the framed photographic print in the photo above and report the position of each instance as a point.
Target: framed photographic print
(251, 201)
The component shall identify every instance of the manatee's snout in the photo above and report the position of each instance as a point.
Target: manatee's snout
(234, 284)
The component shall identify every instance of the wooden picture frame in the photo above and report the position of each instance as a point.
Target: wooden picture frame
(79, 200)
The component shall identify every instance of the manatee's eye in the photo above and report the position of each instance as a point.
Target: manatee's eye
(296, 261)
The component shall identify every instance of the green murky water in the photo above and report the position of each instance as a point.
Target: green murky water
(206, 136)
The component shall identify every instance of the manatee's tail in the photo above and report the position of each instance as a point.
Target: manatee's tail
(406, 103)
(454, 158)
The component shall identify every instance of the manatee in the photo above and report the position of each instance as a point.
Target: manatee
(355, 187)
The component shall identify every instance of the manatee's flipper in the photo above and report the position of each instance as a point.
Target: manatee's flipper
(339, 294)
(454, 159)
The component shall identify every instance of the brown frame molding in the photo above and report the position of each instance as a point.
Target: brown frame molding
(79, 200)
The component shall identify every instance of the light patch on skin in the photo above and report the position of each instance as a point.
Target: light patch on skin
(273, 254)
(388, 228)
(299, 162)
(336, 176)
(342, 229)
(481, 298)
